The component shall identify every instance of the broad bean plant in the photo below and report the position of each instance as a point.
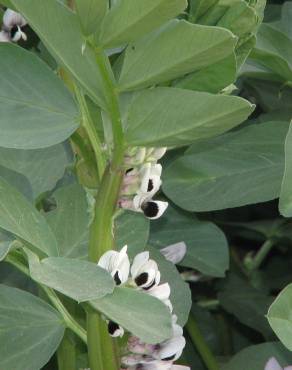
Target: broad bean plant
(145, 185)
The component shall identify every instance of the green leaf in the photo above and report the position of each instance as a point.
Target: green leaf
(20, 218)
(79, 280)
(59, 29)
(31, 330)
(42, 167)
(199, 7)
(213, 78)
(128, 20)
(69, 221)
(17, 180)
(180, 293)
(5, 247)
(279, 316)
(256, 357)
(284, 24)
(169, 116)
(174, 50)
(207, 249)
(246, 303)
(285, 204)
(239, 168)
(240, 19)
(142, 315)
(36, 109)
(273, 50)
(132, 229)
(91, 13)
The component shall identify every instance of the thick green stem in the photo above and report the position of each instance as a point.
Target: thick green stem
(101, 347)
(71, 323)
(201, 345)
(66, 354)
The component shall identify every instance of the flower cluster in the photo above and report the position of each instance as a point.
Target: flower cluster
(273, 364)
(144, 275)
(142, 181)
(12, 27)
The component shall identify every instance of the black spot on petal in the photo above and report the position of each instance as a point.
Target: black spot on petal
(150, 286)
(170, 358)
(112, 327)
(13, 31)
(129, 170)
(142, 279)
(150, 209)
(150, 185)
(117, 278)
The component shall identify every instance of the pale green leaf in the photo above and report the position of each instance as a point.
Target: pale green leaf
(256, 357)
(142, 315)
(172, 51)
(128, 20)
(239, 168)
(42, 167)
(69, 221)
(207, 248)
(59, 29)
(30, 330)
(274, 51)
(213, 78)
(280, 316)
(131, 229)
(20, 218)
(79, 280)
(91, 13)
(171, 116)
(285, 204)
(36, 109)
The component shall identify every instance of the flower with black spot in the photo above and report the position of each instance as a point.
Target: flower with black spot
(152, 209)
(117, 264)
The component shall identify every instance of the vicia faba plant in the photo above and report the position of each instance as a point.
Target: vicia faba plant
(120, 120)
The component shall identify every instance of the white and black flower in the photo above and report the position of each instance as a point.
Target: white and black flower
(152, 209)
(144, 271)
(150, 175)
(114, 329)
(117, 264)
(13, 24)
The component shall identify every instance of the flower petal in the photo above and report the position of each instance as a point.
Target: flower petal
(175, 253)
(273, 364)
(12, 18)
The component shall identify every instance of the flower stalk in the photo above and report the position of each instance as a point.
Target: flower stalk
(200, 344)
(101, 348)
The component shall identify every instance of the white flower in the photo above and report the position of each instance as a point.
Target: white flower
(145, 271)
(154, 154)
(12, 24)
(152, 209)
(175, 253)
(4, 36)
(273, 364)
(117, 264)
(115, 330)
(171, 349)
(150, 179)
(162, 292)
